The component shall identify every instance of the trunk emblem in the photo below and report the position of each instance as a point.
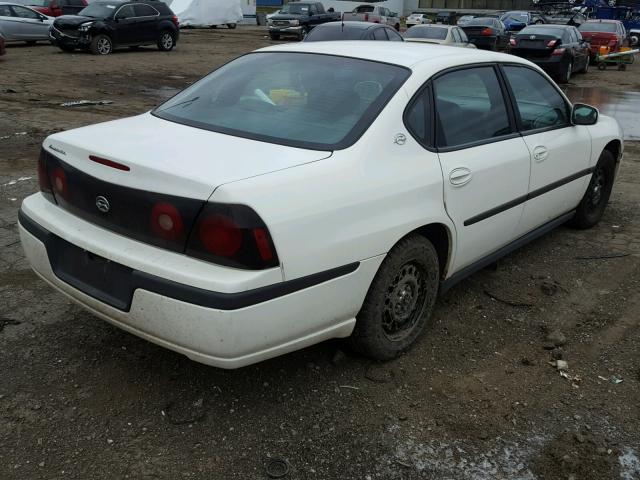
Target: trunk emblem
(102, 204)
(532, 37)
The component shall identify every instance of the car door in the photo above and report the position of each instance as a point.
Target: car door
(31, 24)
(484, 161)
(379, 34)
(560, 152)
(9, 23)
(579, 49)
(125, 25)
(146, 23)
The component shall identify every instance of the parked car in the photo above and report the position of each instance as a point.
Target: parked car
(343, 213)
(417, 18)
(464, 19)
(373, 14)
(565, 16)
(23, 24)
(446, 17)
(442, 34)
(487, 33)
(298, 18)
(558, 49)
(603, 33)
(516, 20)
(106, 25)
(353, 31)
(55, 8)
(3, 49)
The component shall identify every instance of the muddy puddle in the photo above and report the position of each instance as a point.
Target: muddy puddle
(623, 106)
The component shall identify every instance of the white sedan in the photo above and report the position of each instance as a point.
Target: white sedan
(258, 211)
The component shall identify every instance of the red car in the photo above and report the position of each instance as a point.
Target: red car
(603, 33)
(55, 8)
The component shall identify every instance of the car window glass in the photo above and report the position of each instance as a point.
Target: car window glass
(416, 117)
(379, 34)
(313, 10)
(393, 35)
(539, 103)
(25, 13)
(143, 10)
(463, 36)
(5, 11)
(126, 12)
(470, 107)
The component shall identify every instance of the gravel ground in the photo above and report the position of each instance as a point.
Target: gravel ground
(475, 399)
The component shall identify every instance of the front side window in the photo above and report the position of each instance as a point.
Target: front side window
(315, 101)
(470, 107)
(5, 11)
(539, 104)
(142, 10)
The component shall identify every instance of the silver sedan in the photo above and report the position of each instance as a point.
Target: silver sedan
(23, 24)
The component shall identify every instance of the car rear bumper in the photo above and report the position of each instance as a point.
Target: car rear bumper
(483, 42)
(553, 65)
(234, 328)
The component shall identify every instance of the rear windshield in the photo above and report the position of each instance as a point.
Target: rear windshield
(554, 32)
(99, 10)
(433, 33)
(335, 32)
(515, 16)
(294, 9)
(314, 101)
(481, 22)
(598, 27)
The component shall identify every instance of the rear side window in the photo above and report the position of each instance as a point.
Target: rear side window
(379, 34)
(539, 104)
(416, 117)
(5, 11)
(470, 107)
(126, 12)
(393, 35)
(143, 10)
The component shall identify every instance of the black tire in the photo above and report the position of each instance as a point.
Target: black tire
(166, 41)
(585, 69)
(592, 206)
(101, 45)
(232, 25)
(399, 301)
(303, 33)
(566, 75)
(274, 36)
(66, 48)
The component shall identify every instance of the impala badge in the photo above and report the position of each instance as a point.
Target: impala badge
(102, 204)
(532, 37)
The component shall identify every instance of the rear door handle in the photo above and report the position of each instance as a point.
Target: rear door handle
(540, 153)
(460, 176)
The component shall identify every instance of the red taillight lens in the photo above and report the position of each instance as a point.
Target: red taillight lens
(366, 17)
(166, 221)
(59, 182)
(232, 235)
(220, 235)
(551, 43)
(43, 177)
(175, 20)
(486, 32)
(512, 42)
(109, 163)
(558, 51)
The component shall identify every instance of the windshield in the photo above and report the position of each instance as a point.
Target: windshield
(433, 33)
(99, 10)
(295, 9)
(521, 17)
(598, 27)
(313, 101)
(554, 32)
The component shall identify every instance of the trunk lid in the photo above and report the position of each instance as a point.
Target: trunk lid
(598, 38)
(474, 30)
(534, 45)
(170, 158)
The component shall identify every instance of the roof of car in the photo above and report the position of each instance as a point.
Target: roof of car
(351, 24)
(602, 20)
(398, 53)
(550, 25)
(433, 25)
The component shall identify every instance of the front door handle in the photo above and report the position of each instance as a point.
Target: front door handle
(460, 176)
(540, 153)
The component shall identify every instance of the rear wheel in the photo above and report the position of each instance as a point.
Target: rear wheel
(399, 300)
(566, 75)
(231, 25)
(166, 41)
(594, 202)
(101, 45)
(585, 69)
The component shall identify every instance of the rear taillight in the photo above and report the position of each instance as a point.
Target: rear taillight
(366, 17)
(175, 20)
(43, 177)
(486, 32)
(166, 221)
(232, 235)
(551, 43)
(558, 51)
(512, 42)
(59, 182)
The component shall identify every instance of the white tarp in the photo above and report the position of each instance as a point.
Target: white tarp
(204, 13)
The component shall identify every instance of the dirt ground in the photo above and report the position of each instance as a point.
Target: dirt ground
(475, 399)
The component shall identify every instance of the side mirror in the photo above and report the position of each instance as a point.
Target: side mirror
(582, 114)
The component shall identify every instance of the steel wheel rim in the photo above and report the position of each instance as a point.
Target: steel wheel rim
(167, 41)
(104, 46)
(598, 183)
(403, 301)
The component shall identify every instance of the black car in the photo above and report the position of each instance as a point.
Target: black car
(299, 18)
(105, 25)
(353, 31)
(558, 49)
(487, 33)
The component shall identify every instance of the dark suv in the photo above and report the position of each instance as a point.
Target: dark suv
(108, 24)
